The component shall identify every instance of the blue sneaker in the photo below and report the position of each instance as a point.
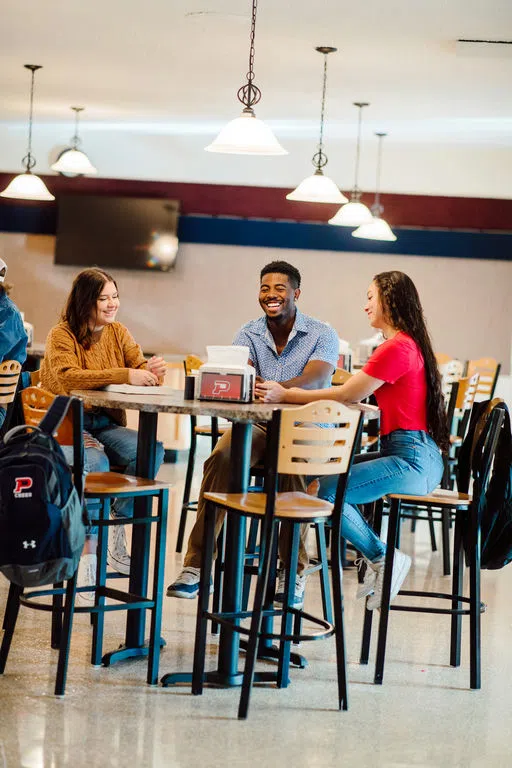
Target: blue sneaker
(187, 584)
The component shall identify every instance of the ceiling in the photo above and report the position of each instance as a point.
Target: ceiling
(159, 79)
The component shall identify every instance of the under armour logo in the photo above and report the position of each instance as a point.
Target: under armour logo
(221, 386)
(27, 544)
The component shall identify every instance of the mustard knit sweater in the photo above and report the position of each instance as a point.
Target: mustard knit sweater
(67, 365)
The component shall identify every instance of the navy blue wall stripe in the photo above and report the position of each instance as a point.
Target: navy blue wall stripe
(41, 219)
(324, 237)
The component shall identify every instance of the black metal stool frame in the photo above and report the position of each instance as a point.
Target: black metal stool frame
(466, 523)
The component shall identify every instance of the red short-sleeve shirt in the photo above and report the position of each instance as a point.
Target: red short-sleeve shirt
(402, 398)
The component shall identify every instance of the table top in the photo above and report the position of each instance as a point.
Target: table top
(175, 403)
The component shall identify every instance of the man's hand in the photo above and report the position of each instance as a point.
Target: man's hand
(270, 392)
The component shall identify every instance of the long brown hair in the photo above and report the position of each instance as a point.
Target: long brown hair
(81, 303)
(402, 308)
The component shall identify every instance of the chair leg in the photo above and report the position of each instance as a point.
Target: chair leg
(474, 611)
(251, 549)
(203, 598)
(445, 531)
(394, 521)
(9, 624)
(10, 598)
(457, 587)
(433, 543)
(188, 484)
(218, 577)
(368, 615)
(67, 626)
(158, 588)
(324, 571)
(101, 577)
(56, 617)
(268, 543)
(337, 589)
(283, 666)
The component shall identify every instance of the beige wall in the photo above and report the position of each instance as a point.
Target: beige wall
(213, 290)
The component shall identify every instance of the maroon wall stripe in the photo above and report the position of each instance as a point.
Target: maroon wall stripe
(270, 203)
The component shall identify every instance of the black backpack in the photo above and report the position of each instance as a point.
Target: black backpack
(42, 515)
(496, 507)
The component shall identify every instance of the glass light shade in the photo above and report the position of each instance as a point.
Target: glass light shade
(317, 189)
(27, 186)
(246, 135)
(75, 162)
(376, 229)
(351, 215)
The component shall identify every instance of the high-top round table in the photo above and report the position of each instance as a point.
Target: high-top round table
(242, 416)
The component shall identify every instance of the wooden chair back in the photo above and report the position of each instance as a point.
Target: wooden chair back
(442, 359)
(327, 450)
(489, 370)
(35, 402)
(340, 376)
(460, 405)
(191, 363)
(35, 377)
(9, 375)
(451, 371)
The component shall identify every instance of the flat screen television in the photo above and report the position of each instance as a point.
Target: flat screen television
(118, 232)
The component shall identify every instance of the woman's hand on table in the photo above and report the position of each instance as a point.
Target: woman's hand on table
(158, 367)
(141, 377)
(270, 392)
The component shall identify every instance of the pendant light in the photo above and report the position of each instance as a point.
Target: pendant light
(246, 135)
(354, 212)
(319, 188)
(28, 186)
(377, 228)
(72, 161)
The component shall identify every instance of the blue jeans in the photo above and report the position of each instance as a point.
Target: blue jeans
(120, 449)
(408, 462)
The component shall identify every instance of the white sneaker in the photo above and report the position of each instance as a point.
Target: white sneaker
(300, 586)
(187, 583)
(86, 577)
(117, 554)
(368, 585)
(401, 565)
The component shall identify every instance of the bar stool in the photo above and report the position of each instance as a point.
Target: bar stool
(293, 438)
(466, 542)
(105, 486)
(458, 414)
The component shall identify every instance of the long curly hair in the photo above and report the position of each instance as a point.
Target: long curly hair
(402, 308)
(81, 302)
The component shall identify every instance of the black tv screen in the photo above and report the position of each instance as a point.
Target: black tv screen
(120, 232)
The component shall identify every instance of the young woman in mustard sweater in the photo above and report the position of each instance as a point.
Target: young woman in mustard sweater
(89, 349)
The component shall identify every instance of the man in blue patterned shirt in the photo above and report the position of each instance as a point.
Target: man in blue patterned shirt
(286, 346)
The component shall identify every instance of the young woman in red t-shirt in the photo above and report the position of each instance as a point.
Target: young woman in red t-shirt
(403, 374)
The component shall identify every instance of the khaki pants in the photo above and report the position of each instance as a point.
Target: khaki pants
(216, 478)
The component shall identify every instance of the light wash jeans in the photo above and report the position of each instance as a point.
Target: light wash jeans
(408, 462)
(120, 449)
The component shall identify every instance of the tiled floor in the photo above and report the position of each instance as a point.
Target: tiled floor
(423, 715)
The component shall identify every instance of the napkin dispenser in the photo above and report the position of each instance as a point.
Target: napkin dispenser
(233, 384)
(227, 376)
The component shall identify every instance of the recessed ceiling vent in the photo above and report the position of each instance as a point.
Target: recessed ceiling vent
(486, 49)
